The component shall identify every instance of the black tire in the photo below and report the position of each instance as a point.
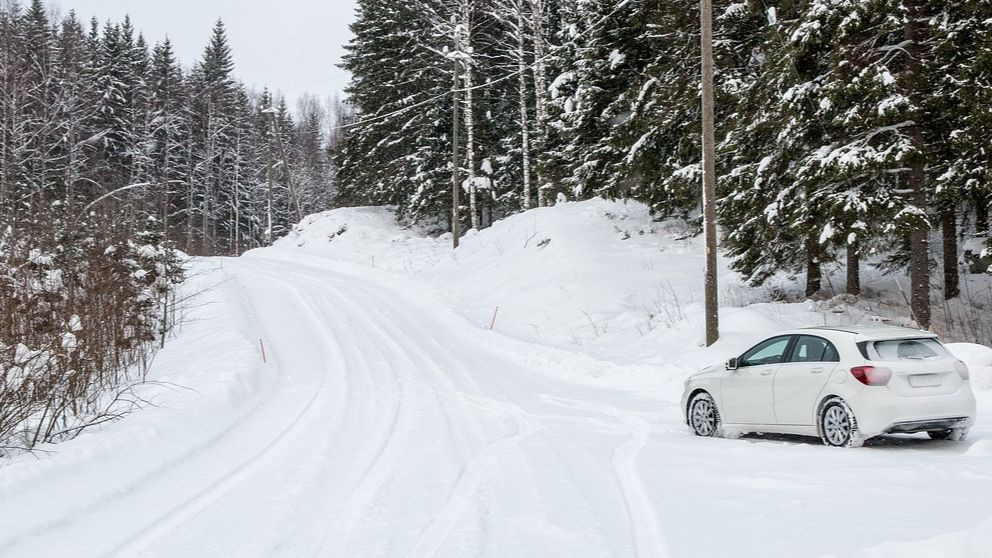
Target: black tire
(703, 416)
(952, 434)
(838, 426)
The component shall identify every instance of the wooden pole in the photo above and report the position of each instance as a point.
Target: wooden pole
(285, 167)
(709, 173)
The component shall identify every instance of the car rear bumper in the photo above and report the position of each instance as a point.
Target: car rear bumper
(879, 411)
(909, 426)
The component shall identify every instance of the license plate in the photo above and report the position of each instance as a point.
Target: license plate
(925, 380)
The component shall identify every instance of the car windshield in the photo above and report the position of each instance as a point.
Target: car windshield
(892, 350)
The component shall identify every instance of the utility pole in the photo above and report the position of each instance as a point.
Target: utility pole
(709, 173)
(285, 165)
(454, 143)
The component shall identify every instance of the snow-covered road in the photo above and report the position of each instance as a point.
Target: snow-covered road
(384, 432)
(387, 426)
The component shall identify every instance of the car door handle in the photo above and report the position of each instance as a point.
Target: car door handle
(767, 372)
(816, 371)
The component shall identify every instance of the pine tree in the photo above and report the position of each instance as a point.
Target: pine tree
(168, 123)
(212, 119)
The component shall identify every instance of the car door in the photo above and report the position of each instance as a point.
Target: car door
(800, 379)
(747, 391)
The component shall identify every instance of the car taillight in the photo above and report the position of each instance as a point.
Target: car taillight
(962, 369)
(872, 375)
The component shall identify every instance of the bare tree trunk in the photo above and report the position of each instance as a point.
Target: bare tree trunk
(949, 232)
(6, 117)
(208, 179)
(190, 198)
(853, 270)
(540, 90)
(814, 273)
(164, 179)
(709, 173)
(919, 266)
(469, 114)
(981, 214)
(455, 160)
(268, 178)
(524, 120)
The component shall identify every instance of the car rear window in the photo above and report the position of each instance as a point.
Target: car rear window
(892, 350)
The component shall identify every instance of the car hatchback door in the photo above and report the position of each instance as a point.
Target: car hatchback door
(747, 391)
(799, 380)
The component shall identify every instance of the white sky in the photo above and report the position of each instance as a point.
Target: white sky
(290, 45)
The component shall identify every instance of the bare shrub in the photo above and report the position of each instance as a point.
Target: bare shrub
(81, 309)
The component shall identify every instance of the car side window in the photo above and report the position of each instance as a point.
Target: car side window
(771, 351)
(814, 349)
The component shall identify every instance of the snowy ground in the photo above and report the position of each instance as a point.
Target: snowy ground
(387, 420)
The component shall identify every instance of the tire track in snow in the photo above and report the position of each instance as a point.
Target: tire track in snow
(473, 473)
(649, 541)
(189, 507)
(461, 357)
(470, 478)
(648, 538)
(386, 458)
(378, 466)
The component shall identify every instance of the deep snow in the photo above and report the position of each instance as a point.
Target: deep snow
(388, 421)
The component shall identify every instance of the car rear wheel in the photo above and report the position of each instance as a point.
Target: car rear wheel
(953, 434)
(838, 427)
(704, 418)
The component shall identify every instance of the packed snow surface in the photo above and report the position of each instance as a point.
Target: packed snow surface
(361, 390)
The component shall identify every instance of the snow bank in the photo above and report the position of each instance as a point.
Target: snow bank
(365, 235)
(971, 543)
(199, 385)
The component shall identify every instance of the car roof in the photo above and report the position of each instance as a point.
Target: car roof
(874, 331)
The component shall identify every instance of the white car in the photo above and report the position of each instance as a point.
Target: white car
(843, 384)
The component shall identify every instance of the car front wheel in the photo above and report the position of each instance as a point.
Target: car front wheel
(704, 418)
(838, 427)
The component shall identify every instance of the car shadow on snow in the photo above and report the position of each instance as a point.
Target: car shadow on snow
(893, 441)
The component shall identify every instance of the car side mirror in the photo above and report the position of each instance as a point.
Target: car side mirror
(732, 364)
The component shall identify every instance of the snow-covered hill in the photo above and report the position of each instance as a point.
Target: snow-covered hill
(602, 278)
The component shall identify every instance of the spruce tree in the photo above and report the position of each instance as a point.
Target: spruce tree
(399, 90)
